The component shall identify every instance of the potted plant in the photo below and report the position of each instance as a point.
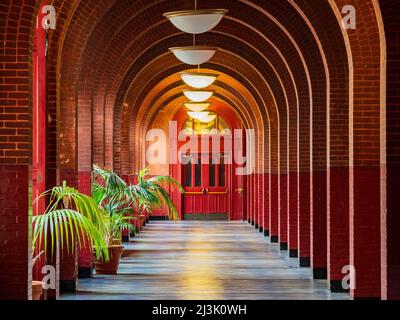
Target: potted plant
(150, 193)
(70, 217)
(37, 286)
(109, 192)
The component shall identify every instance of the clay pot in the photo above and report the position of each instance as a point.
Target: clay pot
(37, 290)
(142, 220)
(110, 267)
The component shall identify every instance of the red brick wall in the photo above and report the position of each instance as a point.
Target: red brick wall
(15, 253)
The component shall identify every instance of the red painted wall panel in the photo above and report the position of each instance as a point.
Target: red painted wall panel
(283, 209)
(365, 219)
(304, 215)
(266, 210)
(338, 222)
(15, 264)
(293, 212)
(274, 215)
(85, 187)
(319, 221)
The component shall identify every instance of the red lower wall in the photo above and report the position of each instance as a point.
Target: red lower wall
(304, 217)
(293, 213)
(319, 222)
(338, 223)
(15, 261)
(365, 219)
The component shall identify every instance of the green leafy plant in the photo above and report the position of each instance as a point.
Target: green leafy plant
(150, 193)
(69, 217)
(109, 192)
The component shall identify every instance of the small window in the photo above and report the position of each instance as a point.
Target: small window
(221, 173)
(198, 174)
(212, 175)
(188, 175)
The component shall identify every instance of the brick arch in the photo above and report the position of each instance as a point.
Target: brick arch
(169, 62)
(284, 166)
(232, 95)
(222, 77)
(366, 65)
(340, 149)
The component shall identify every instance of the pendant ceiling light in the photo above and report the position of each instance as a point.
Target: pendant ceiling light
(197, 106)
(198, 95)
(198, 80)
(194, 55)
(202, 116)
(196, 21)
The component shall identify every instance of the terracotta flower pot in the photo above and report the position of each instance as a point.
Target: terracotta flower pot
(142, 219)
(110, 267)
(37, 290)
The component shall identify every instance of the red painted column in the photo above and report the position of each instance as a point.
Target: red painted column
(390, 220)
(250, 199)
(15, 253)
(39, 124)
(85, 259)
(318, 236)
(391, 247)
(293, 215)
(274, 214)
(266, 209)
(365, 238)
(283, 212)
(304, 219)
(257, 199)
(261, 202)
(338, 226)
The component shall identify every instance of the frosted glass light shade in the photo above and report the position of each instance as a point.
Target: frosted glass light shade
(198, 80)
(202, 116)
(197, 106)
(194, 55)
(198, 95)
(196, 21)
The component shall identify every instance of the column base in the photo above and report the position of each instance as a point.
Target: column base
(274, 239)
(284, 246)
(67, 286)
(305, 262)
(293, 253)
(320, 273)
(85, 273)
(266, 233)
(252, 223)
(261, 229)
(125, 238)
(256, 226)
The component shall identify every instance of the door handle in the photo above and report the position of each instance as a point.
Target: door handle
(240, 190)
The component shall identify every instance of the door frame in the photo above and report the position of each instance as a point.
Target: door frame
(236, 192)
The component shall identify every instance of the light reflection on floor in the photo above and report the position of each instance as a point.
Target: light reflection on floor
(204, 261)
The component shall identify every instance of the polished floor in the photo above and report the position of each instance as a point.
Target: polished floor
(204, 261)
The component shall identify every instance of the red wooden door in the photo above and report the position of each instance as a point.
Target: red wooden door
(206, 180)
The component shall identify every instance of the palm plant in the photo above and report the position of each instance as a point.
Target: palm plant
(70, 217)
(109, 192)
(150, 193)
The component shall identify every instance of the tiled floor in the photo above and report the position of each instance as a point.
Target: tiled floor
(204, 260)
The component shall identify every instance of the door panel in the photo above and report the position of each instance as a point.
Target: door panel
(206, 182)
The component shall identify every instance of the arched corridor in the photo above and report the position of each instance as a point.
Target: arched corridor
(298, 152)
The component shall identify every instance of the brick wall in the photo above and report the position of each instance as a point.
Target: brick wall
(15, 253)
